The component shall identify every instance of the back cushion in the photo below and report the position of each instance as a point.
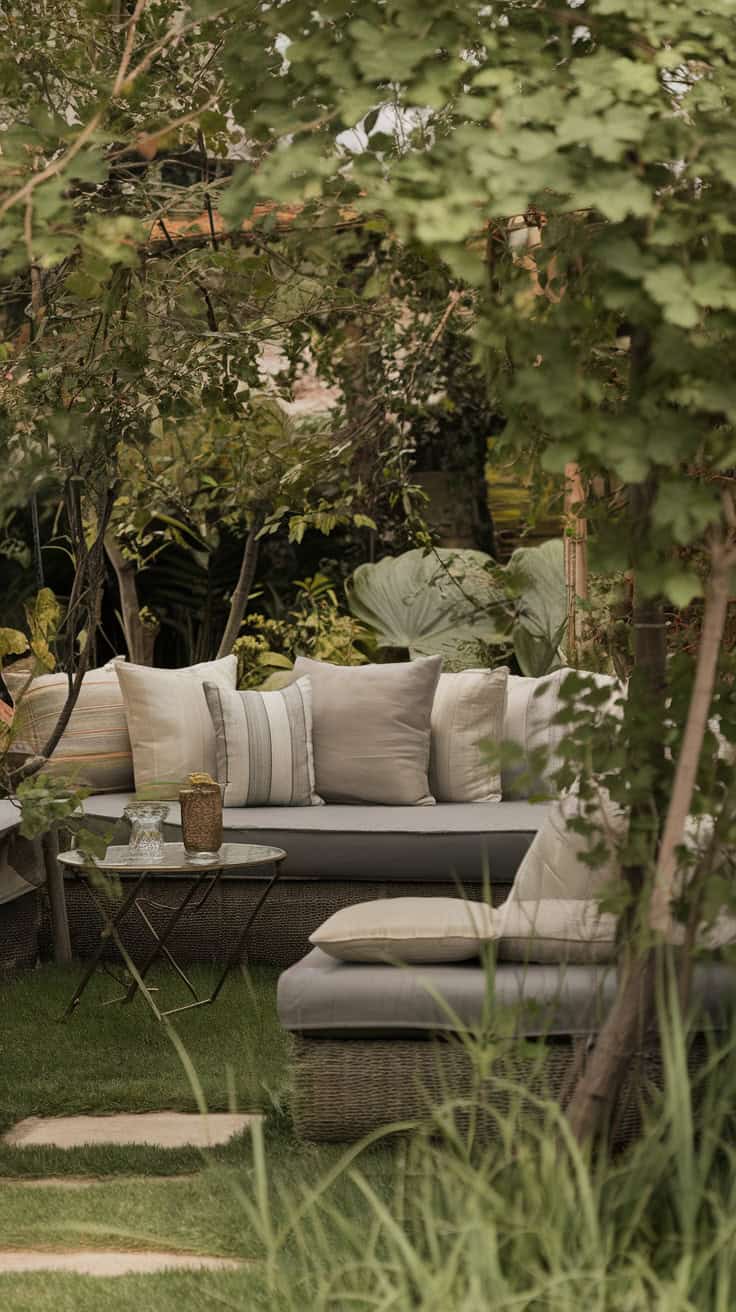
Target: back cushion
(94, 750)
(529, 723)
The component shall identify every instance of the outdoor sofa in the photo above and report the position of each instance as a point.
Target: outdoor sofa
(337, 855)
(20, 900)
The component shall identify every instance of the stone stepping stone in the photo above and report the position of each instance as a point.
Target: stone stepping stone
(87, 1181)
(154, 1129)
(109, 1262)
(50, 1182)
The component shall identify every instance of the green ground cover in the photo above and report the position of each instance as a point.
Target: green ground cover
(118, 1058)
(108, 1059)
(522, 1223)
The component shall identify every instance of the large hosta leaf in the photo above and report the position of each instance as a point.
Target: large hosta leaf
(459, 603)
(537, 576)
(445, 602)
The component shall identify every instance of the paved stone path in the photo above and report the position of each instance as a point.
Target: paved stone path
(109, 1262)
(155, 1129)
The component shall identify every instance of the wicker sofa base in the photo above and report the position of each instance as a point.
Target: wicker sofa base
(280, 933)
(346, 1088)
(19, 934)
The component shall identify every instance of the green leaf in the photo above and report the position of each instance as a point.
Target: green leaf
(537, 574)
(682, 587)
(12, 643)
(443, 602)
(275, 659)
(668, 287)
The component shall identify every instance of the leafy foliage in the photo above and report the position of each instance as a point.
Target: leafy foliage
(461, 605)
(537, 575)
(315, 626)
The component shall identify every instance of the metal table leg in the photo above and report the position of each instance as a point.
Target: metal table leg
(108, 931)
(234, 957)
(160, 949)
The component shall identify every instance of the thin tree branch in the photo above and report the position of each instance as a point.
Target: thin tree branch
(723, 559)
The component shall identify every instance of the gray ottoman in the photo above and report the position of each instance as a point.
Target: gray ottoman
(377, 1045)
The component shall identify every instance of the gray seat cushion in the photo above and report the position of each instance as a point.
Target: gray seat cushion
(452, 839)
(322, 996)
(17, 857)
(9, 817)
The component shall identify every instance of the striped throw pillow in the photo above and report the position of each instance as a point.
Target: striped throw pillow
(264, 745)
(94, 750)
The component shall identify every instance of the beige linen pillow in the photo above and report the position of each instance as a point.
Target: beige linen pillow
(554, 865)
(531, 706)
(576, 931)
(556, 929)
(170, 729)
(371, 729)
(469, 708)
(407, 930)
(94, 749)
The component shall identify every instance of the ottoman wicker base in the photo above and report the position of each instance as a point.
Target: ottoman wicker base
(346, 1088)
(280, 933)
(19, 934)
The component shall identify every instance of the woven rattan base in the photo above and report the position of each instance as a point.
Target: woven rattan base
(345, 1088)
(280, 933)
(19, 934)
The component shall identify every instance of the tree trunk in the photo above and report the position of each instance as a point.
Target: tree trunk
(594, 1097)
(140, 638)
(57, 898)
(243, 588)
(85, 597)
(723, 559)
(598, 1087)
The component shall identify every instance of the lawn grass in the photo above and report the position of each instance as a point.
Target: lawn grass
(119, 1058)
(210, 1291)
(107, 1059)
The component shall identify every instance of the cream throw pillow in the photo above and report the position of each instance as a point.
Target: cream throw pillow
(554, 865)
(371, 729)
(94, 750)
(576, 931)
(556, 929)
(407, 930)
(469, 708)
(170, 728)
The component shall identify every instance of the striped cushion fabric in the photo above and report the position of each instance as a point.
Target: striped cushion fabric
(264, 745)
(94, 750)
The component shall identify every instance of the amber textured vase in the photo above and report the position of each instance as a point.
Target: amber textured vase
(201, 817)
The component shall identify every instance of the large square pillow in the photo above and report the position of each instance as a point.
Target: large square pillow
(469, 708)
(555, 865)
(94, 750)
(264, 745)
(371, 729)
(169, 723)
(408, 929)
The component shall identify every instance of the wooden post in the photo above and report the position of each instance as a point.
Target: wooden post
(57, 899)
(576, 556)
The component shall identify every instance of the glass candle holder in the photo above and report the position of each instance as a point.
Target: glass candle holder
(146, 842)
(201, 820)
